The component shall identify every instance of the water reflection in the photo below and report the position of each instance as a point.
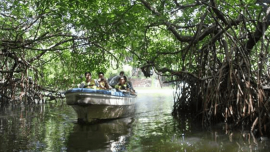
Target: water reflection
(35, 127)
(155, 130)
(53, 127)
(104, 136)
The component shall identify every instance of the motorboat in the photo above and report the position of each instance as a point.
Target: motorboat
(92, 105)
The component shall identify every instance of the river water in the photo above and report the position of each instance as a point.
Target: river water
(53, 127)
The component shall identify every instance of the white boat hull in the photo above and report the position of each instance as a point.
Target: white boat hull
(92, 107)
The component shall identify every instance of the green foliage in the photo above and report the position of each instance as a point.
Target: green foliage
(64, 38)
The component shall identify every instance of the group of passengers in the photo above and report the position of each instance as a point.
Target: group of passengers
(102, 84)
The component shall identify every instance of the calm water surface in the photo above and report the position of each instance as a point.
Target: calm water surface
(53, 127)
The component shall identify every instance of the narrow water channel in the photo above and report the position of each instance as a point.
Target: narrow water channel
(53, 127)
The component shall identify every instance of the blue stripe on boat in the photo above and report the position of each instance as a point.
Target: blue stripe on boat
(108, 92)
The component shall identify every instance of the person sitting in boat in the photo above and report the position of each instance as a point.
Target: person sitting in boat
(122, 84)
(89, 82)
(102, 82)
(122, 74)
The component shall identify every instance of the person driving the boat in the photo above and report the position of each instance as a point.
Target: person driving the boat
(122, 73)
(89, 82)
(102, 82)
(122, 84)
